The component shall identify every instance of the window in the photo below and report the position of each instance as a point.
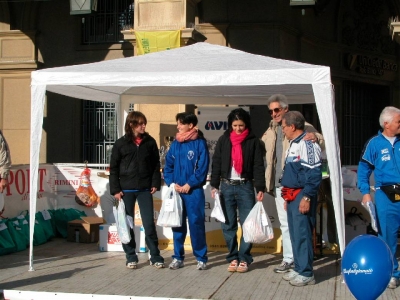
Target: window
(106, 24)
(99, 131)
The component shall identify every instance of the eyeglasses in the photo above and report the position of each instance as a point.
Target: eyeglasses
(141, 123)
(275, 110)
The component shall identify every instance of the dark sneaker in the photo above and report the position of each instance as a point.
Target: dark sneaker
(300, 280)
(284, 267)
(233, 266)
(201, 265)
(393, 283)
(176, 264)
(243, 267)
(131, 265)
(158, 265)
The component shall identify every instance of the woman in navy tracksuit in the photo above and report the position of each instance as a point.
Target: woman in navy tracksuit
(186, 165)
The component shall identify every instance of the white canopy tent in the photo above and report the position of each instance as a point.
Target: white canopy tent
(198, 74)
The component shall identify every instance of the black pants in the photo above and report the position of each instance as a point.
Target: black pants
(145, 201)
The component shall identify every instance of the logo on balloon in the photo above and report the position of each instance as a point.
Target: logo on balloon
(356, 271)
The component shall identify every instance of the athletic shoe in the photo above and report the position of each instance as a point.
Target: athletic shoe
(290, 275)
(131, 265)
(300, 280)
(242, 268)
(393, 283)
(284, 267)
(201, 265)
(157, 265)
(176, 264)
(233, 266)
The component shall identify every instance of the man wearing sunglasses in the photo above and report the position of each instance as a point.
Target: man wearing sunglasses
(276, 145)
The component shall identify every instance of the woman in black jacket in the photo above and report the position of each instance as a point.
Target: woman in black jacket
(238, 167)
(135, 175)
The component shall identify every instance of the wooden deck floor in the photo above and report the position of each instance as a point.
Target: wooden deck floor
(64, 267)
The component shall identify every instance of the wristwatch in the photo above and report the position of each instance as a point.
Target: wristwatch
(306, 198)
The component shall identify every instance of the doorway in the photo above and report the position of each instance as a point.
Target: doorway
(360, 107)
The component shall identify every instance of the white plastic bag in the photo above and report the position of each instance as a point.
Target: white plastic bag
(123, 227)
(257, 227)
(349, 178)
(217, 210)
(370, 207)
(171, 209)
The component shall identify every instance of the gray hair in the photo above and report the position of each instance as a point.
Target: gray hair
(278, 98)
(387, 114)
(294, 118)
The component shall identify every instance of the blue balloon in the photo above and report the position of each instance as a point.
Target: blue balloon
(367, 266)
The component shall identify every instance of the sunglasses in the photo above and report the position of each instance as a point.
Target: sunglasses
(275, 110)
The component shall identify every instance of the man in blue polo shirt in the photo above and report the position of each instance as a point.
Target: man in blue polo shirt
(381, 154)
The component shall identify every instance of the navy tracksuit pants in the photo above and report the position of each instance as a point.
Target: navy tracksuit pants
(193, 207)
(301, 228)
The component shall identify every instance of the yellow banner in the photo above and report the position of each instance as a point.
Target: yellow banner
(154, 41)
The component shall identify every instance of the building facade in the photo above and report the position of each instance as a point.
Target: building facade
(351, 37)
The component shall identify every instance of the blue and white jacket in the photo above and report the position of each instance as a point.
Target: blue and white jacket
(383, 159)
(187, 162)
(303, 166)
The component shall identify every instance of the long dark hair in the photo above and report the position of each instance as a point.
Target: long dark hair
(134, 118)
(239, 114)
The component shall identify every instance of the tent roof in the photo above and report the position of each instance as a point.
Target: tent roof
(202, 70)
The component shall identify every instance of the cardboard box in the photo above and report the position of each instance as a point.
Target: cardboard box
(84, 230)
(109, 239)
(354, 231)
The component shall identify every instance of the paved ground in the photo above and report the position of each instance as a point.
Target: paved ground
(66, 267)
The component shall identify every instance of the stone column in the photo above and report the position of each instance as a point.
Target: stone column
(154, 15)
(17, 61)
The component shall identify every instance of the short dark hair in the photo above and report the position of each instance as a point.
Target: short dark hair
(239, 114)
(186, 118)
(294, 118)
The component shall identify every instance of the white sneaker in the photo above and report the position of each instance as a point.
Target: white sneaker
(158, 265)
(393, 283)
(301, 280)
(131, 265)
(201, 265)
(290, 275)
(176, 264)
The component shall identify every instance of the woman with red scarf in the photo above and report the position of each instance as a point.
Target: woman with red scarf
(135, 176)
(238, 167)
(186, 165)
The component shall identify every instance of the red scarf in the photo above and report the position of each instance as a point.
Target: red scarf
(137, 140)
(236, 154)
(188, 135)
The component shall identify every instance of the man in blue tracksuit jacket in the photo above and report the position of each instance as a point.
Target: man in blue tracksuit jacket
(381, 155)
(302, 175)
(186, 165)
